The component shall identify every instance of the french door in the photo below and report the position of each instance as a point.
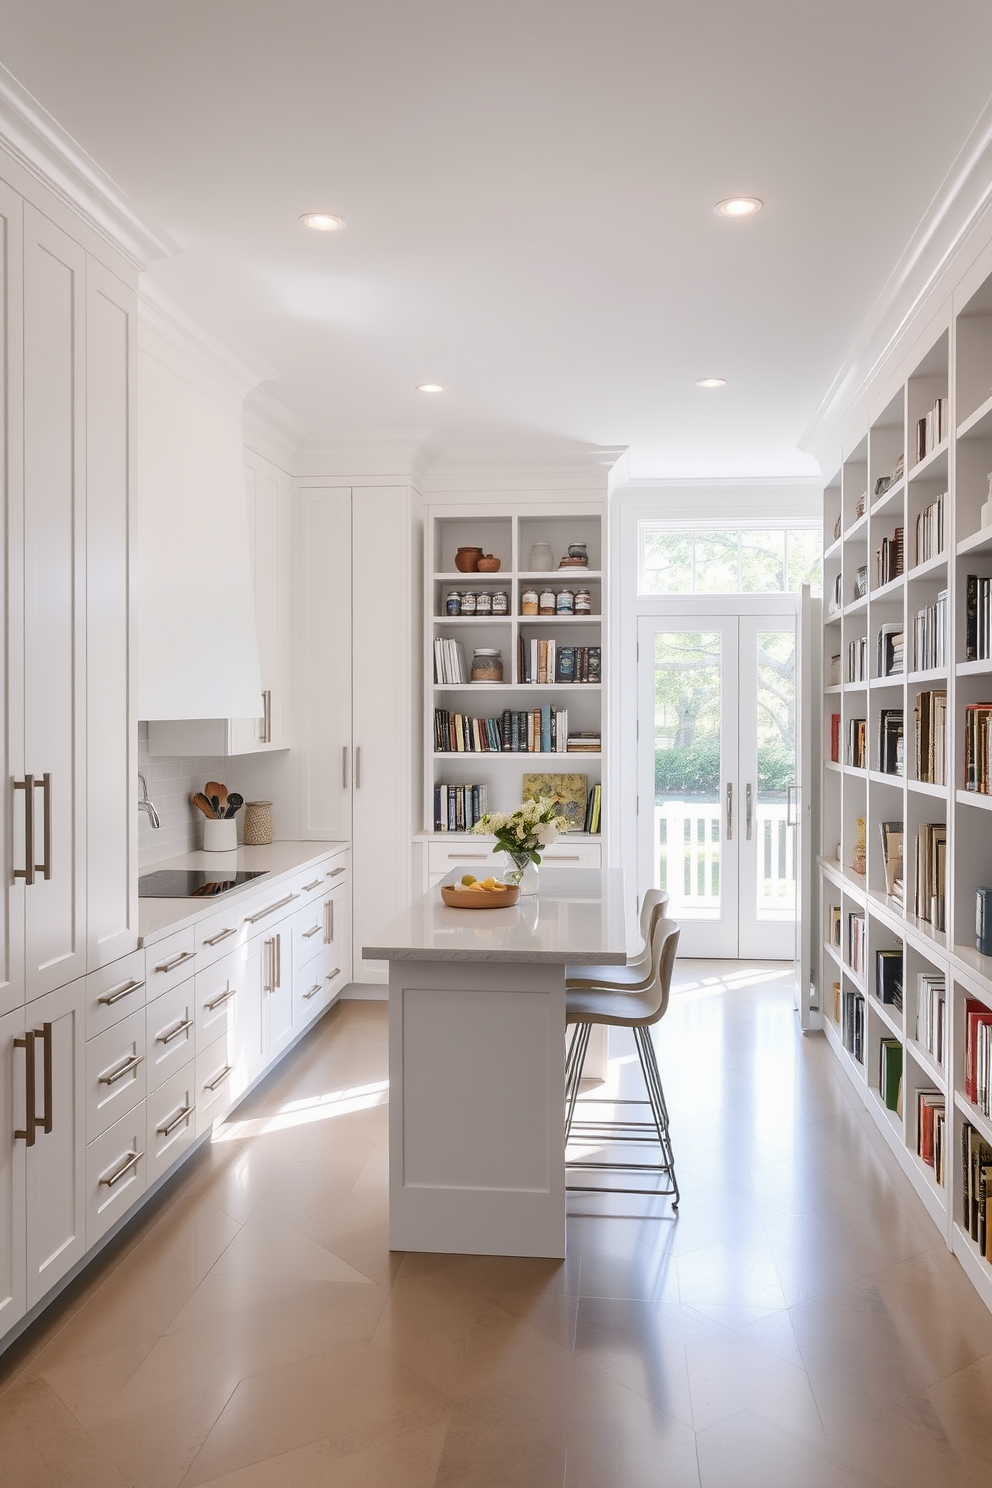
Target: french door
(717, 767)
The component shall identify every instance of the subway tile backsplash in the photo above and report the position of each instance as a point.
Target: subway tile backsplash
(171, 782)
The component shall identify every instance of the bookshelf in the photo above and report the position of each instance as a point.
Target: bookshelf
(521, 642)
(933, 482)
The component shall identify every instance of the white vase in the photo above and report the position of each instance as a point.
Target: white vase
(542, 559)
(220, 835)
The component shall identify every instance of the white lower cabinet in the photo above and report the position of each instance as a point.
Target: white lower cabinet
(116, 1073)
(12, 1156)
(220, 998)
(169, 1024)
(277, 990)
(116, 1172)
(170, 1113)
(214, 1083)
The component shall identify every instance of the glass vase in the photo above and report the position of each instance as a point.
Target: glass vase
(521, 870)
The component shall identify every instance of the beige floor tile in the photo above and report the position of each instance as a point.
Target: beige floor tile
(496, 1438)
(618, 1436)
(43, 1446)
(267, 1247)
(748, 1451)
(408, 1459)
(963, 1403)
(642, 1349)
(728, 1375)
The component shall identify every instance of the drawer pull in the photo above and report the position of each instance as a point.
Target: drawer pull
(131, 1160)
(176, 961)
(469, 857)
(170, 1126)
(279, 904)
(334, 872)
(560, 858)
(221, 935)
(315, 885)
(218, 1079)
(173, 1033)
(219, 1001)
(314, 930)
(332, 974)
(130, 1064)
(312, 993)
(116, 993)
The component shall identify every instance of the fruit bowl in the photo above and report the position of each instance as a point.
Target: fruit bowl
(456, 896)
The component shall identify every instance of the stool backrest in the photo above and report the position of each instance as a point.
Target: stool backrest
(653, 901)
(664, 949)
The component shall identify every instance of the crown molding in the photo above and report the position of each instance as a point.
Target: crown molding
(385, 454)
(42, 147)
(272, 431)
(191, 331)
(546, 467)
(920, 278)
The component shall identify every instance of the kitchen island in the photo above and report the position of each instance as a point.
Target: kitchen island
(476, 1062)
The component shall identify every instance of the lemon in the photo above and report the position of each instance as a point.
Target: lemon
(489, 883)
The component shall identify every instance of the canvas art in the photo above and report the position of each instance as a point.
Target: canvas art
(569, 793)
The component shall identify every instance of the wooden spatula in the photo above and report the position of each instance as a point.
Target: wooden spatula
(202, 804)
(216, 794)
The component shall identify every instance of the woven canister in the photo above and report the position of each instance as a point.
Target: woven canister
(258, 823)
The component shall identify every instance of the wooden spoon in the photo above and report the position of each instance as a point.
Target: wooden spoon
(216, 794)
(201, 803)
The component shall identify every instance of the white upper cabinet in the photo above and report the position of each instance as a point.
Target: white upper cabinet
(325, 660)
(11, 617)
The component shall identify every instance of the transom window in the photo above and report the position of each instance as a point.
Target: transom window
(739, 560)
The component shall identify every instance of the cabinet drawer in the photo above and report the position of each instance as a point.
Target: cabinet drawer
(169, 1025)
(170, 1114)
(213, 1087)
(311, 882)
(218, 994)
(114, 991)
(169, 962)
(115, 1073)
(565, 854)
(319, 984)
(116, 1174)
(218, 936)
(442, 856)
(309, 933)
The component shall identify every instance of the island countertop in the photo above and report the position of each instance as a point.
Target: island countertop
(577, 917)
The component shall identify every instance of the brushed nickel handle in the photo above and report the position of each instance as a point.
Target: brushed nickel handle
(334, 872)
(469, 857)
(110, 1077)
(30, 1119)
(314, 930)
(173, 1033)
(219, 1078)
(28, 871)
(332, 974)
(124, 989)
(213, 940)
(730, 812)
(219, 1001)
(278, 960)
(312, 993)
(791, 797)
(329, 922)
(315, 885)
(170, 1126)
(131, 1160)
(45, 867)
(358, 767)
(279, 904)
(747, 810)
(45, 1034)
(176, 961)
(561, 858)
(344, 768)
(266, 717)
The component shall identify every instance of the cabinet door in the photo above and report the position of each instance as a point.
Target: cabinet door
(12, 616)
(277, 990)
(268, 494)
(54, 529)
(325, 658)
(383, 701)
(111, 730)
(13, 1064)
(245, 1040)
(55, 1165)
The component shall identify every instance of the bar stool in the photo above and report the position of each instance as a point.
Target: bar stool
(638, 971)
(636, 1010)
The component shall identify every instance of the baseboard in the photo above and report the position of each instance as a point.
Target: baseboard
(364, 992)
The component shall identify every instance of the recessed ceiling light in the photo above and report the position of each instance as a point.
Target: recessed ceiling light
(322, 221)
(738, 206)
(430, 387)
(711, 382)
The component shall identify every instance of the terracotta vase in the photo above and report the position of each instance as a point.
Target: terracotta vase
(467, 559)
(489, 564)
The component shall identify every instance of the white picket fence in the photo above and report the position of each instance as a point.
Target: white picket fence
(688, 839)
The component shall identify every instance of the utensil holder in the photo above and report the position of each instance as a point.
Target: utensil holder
(258, 823)
(220, 835)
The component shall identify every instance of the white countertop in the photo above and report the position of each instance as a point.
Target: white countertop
(158, 917)
(577, 917)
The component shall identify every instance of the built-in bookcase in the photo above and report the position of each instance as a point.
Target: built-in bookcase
(894, 478)
(510, 536)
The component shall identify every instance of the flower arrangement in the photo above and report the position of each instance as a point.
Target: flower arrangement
(523, 832)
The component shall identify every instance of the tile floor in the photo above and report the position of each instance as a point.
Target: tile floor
(801, 1325)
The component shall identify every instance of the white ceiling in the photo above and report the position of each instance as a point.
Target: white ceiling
(528, 189)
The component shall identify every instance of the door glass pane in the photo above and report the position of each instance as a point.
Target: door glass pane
(775, 844)
(687, 822)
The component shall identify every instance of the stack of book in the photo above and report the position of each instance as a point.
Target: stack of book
(932, 429)
(594, 810)
(857, 737)
(931, 737)
(978, 619)
(549, 661)
(853, 1027)
(588, 742)
(833, 671)
(978, 747)
(458, 807)
(856, 942)
(890, 650)
(931, 1008)
(931, 872)
(861, 582)
(449, 663)
(835, 932)
(977, 1045)
(930, 635)
(930, 1130)
(976, 1191)
(930, 531)
(889, 559)
(532, 731)
(888, 977)
(835, 738)
(890, 1074)
(891, 759)
(857, 660)
(892, 857)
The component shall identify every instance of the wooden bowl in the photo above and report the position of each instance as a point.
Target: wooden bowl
(458, 898)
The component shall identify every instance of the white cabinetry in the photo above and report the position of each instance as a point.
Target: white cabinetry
(12, 1154)
(360, 691)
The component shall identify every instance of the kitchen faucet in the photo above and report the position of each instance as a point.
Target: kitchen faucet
(145, 805)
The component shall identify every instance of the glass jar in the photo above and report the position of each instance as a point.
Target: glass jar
(541, 558)
(565, 602)
(529, 602)
(501, 602)
(468, 603)
(483, 602)
(547, 604)
(453, 602)
(487, 665)
(583, 602)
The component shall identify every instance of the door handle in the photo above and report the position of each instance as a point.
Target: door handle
(748, 809)
(30, 1119)
(344, 768)
(28, 871)
(329, 922)
(266, 717)
(45, 1034)
(791, 795)
(45, 867)
(730, 811)
(358, 768)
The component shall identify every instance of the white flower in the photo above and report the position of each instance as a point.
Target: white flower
(546, 834)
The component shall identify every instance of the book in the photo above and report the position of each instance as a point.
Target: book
(978, 747)
(889, 649)
(892, 854)
(857, 742)
(593, 821)
(890, 1073)
(930, 635)
(458, 807)
(928, 1104)
(930, 716)
(931, 1005)
(890, 741)
(888, 976)
(570, 794)
(835, 738)
(853, 1025)
(931, 862)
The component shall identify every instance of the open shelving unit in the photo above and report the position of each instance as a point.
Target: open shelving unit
(509, 535)
(956, 366)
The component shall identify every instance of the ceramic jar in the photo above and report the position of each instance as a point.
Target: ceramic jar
(467, 560)
(541, 559)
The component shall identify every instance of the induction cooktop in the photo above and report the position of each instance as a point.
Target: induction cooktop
(192, 883)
